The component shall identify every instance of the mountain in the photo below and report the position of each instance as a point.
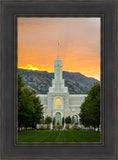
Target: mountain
(42, 80)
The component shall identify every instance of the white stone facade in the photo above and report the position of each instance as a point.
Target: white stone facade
(58, 103)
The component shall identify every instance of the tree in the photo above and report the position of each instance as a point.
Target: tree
(48, 120)
(25, 110)
(38, 107)
(83, 115)
(90, 109)
(68, 119)
(42, 120)
(29, 106)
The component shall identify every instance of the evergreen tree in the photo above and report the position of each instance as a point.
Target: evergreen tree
(90, 109)
(29, 106)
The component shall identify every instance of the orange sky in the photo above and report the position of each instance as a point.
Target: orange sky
(79, 44)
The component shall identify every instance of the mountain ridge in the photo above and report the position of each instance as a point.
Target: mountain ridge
(76, 82)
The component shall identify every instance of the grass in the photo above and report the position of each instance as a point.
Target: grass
(58, 136)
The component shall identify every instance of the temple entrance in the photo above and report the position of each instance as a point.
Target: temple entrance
(58, 119)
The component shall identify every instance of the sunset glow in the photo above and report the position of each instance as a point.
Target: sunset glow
(29, 67)
(79, 44)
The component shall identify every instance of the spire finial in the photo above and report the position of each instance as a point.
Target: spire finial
(58, 49)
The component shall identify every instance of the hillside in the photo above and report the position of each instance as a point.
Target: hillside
(42, 80)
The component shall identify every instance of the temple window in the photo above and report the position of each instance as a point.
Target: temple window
(58, 103)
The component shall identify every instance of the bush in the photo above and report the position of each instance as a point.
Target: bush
(48, 128)
(48, 120)
(67, 127)
(68, 119)
(42, 128)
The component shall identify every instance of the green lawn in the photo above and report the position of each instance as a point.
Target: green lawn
(58, 136)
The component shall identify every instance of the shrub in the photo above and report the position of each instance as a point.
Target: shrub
(48, 120)
(67, 127)
(68, 119)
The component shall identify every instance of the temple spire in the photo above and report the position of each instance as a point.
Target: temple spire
(58, 49)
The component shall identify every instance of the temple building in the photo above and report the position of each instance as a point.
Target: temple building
(58, 103)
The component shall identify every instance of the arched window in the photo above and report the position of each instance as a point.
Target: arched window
(75, 119)
(58, 103)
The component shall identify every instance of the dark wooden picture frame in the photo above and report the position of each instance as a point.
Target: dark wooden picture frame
(107, 11)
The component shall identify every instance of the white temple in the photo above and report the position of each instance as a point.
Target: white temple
(58, 103)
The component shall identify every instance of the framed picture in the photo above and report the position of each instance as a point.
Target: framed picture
(61, 109)
(59, 80)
